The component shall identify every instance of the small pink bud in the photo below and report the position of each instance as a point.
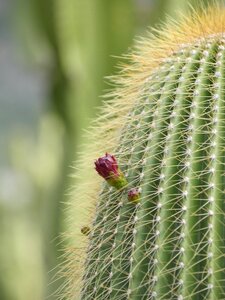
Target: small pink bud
(107, 167)
(134, 195)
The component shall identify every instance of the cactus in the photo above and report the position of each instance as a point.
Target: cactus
(166, 127)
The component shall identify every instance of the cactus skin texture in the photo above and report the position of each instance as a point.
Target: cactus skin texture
(167, 130)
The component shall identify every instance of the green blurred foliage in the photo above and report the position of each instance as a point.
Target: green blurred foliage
(77, 43)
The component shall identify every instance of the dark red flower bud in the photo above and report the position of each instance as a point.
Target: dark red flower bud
(134, 195)
(107, 167)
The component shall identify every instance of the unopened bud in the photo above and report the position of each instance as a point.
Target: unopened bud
(134, 195)
(85, 230)
(107, 167)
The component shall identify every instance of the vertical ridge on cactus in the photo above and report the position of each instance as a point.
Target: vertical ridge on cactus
(166, 126)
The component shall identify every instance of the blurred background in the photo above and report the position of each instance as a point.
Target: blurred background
(54, 55)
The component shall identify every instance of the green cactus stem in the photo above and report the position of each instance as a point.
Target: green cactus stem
(169, 140)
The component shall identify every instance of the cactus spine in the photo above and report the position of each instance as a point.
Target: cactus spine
(171, 244)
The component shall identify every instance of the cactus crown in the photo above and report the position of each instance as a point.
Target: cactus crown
(166, 126)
